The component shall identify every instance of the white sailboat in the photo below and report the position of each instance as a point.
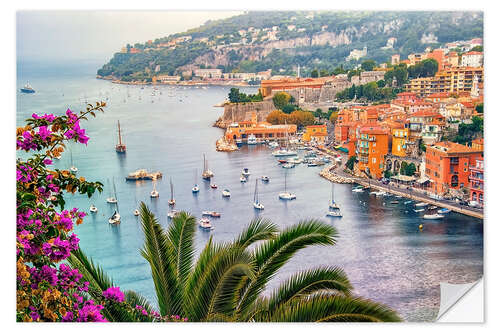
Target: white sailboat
(286, 151)
(195, 188)
(171, 202)
(154, 192)
(115, 218)
(93, 209)
(112, 197)
(332, 204)
(173, 213)
(256, 203)
(72, 168)
(207, 173)
(285, 195)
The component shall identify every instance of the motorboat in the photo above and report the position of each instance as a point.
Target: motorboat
(288, 165)
(73, 169)
(408, 202)
(204, 223)
(214, 186)
(93, 209)
(115, 218)
(195, 189)
(245, 172)
(394, 202)
(358, 189)
(111, 200)
(443, 211)
(421, 204)
(252, 140)
(215, 214)
(282, 161)
(136, 212)
(283, 152)
(418, 210)
(433, 216)
(173, 213)
(239, 142)
(432, 207)
(243, 179)
(273, 144)
(226, 193)
(27, 89)
(334, 213)
(265, 178)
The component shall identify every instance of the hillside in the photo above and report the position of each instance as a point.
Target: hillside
(257, 41)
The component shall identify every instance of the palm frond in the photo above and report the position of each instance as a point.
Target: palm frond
(332, 279)
(331, 308)
(134, 299)
(91, 272)
(181, 234)
(258, 229)
(273, 254)
(159, 253)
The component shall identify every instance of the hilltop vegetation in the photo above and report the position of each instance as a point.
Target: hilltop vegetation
(257, 41)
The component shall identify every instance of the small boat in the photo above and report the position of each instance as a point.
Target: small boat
(288, 165)
(421, 204)
(215, 214)
(93, 209)
(334, 213)
(120, 146)
(112, 198)
(173, 213)
(443, 211)
(171, 202)
(282, 161)
(265, 178)
(273, 144)
(204, 223)
(377, 193)
(408, 202)
(214, 186)
(226, 193)
(154, 192)
(239, 142)
(27, 89)
(418, 210)
(245, 172)
(73, 168)
(432, 207)
(136, 212)
(433, 216)
(115, 218)
(332, 203)
(252, 140)
(195, 188)
(395, 202)
(358, 189)
(256, 203)
(243, 179)
(283, 152)
(206, 213)
(285, 195)
(207, 173)
(312, 164)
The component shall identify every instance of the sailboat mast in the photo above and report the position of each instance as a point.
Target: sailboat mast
(285, 181)
(171, 190)
(114, 189)
(332, 192)
(255, 195)
(119, 134)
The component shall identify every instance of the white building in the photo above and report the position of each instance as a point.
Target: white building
(208, 73)
(357, 54)
(472, 59)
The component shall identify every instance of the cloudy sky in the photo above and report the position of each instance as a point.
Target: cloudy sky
(96, 35)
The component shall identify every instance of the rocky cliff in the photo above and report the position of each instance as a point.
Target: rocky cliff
(235, 112)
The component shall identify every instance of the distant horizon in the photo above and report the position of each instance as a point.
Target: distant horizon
(97, 35)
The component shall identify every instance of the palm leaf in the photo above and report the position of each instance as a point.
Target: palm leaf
(273, 254)
(332, 308)
(91, 272)
(181, 235)
(159, 253)
(258, 229)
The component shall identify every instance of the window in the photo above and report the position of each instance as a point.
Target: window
(374, 160)
(465, 169)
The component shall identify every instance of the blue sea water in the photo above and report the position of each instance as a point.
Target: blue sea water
(380, 247)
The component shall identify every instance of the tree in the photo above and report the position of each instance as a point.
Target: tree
(410, 169)
(314, 73)
(479, 108)
(350, 163)
(323, 73)
(280, 99)
(227, 281)
(276, 117)
(334, 116)
(368, 65)
(234, 95)
(381, 83)
(289, 108)
(387, 174)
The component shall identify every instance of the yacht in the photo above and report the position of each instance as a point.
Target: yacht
(205, 223)
(226, 193)
(334, 213)
(252, 140)
(284, 152)
(433, 216)
(27, 89)
(93, 209)
(207, 173)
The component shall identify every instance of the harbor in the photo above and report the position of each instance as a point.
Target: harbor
(376, 242)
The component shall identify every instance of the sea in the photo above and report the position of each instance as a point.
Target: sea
(168, 129)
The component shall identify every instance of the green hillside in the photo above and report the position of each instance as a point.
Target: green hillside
(220, 44)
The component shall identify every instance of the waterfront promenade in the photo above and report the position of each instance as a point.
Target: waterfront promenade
(336, 174)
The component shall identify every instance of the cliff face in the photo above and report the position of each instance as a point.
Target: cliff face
(235, 112)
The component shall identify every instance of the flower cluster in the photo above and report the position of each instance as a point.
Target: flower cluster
(113, 294)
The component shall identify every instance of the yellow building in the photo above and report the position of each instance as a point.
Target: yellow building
(316, 134)
(400, 138)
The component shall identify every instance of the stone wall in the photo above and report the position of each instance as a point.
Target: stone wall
(235, 112)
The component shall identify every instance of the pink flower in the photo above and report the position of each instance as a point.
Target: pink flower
(114, 294)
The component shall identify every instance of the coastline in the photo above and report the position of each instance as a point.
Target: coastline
(178, 83)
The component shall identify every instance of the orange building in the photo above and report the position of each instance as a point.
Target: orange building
(478, 143)
(372, 147)
(400, 139)
(262, 131)
(315, 133)
(447, 165)
(477, 181)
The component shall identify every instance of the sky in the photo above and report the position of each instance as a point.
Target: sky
(97, 35)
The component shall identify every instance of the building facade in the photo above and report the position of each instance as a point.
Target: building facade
(477, 182)
(372, 147)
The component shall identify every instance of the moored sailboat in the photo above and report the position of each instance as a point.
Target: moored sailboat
(285, 195)
(207, 173)
(332, 204)
(171, 202)
(256, 203)
(154, 192)
(120, 146)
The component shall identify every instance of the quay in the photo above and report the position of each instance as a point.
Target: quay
(142, 174)
(333, 176)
